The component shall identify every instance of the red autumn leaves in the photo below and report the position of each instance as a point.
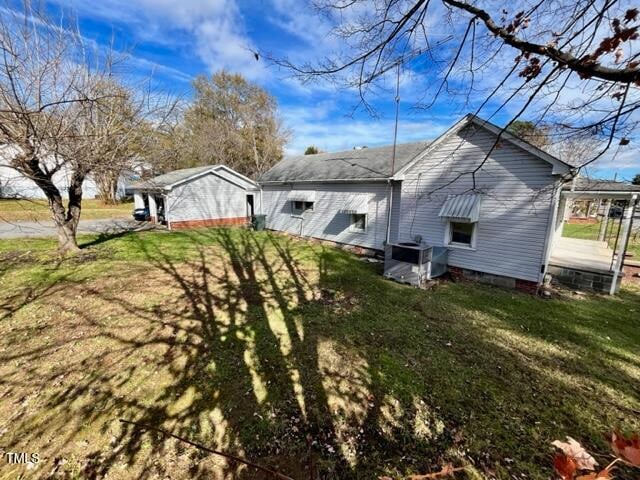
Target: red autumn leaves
(573, 462)
(628, 449)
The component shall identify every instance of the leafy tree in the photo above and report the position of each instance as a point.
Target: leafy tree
(529, 131)
(636, 179)
(233, 122)
(311, 150)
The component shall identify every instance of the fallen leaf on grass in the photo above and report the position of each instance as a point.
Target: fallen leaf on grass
(565, 466)
(626, 448)
(577, 453)
(602, 475)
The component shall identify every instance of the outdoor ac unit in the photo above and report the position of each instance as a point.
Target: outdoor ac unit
(413, 263)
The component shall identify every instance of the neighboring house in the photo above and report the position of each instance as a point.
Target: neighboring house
(494, 211)
(213, 195)
(14, 184)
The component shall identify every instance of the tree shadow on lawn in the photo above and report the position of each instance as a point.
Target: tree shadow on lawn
(301, 357)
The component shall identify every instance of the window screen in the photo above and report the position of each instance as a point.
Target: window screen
(358, 222)
(461, 233)
(298, 207)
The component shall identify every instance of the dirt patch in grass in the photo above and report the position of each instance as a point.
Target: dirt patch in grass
(300, 357)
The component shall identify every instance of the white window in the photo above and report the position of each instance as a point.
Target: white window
(358, 222)
(461, 234)
(298, 207)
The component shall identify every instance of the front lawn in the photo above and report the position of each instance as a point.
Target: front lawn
(590, 231)
(295, 355)
(38, 210)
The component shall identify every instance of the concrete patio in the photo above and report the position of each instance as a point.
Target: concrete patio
(587, 255)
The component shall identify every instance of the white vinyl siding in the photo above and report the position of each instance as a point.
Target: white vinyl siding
(208, 197)
(327, 221)
(516, 189)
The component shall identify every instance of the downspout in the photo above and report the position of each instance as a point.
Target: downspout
(261, 204)
(551, 225)
(389, 212)
(551, 228)
(393, 158)
(166, 210)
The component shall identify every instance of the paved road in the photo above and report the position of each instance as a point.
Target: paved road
(47, 228)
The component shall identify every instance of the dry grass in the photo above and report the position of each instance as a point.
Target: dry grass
(297, 356)
(38, 210)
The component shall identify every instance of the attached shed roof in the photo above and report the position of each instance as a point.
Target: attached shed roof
(169, 180)
(356, 203)
(302, 196)
(585, 184)
(351, 165)
(462, 208)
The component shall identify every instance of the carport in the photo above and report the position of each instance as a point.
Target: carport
(594, 263)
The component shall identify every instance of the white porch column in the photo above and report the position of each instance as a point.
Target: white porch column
(153, 208)
(622, 241)
(605, 219)
(138, 200)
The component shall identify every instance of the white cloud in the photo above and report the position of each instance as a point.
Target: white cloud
(212, 29)
(624, 162)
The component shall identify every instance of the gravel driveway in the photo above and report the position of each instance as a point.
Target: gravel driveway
(48, 229)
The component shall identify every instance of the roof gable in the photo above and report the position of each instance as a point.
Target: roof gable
(175, 178)
(558, 166)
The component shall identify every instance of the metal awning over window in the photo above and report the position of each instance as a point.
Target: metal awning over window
(358, 204)
(302, 196)
(461, 208)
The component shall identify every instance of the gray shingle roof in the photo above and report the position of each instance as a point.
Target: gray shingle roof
(170, 178)
(365, 164)
(593, 184)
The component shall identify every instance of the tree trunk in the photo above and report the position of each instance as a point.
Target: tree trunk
(67, 242)
(67, 230)
(107, 183)
(66, 221)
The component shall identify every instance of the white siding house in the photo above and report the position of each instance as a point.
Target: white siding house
(341, 197)
(515, 193)
(331, 217)
(198, 197)
(491, 206)
(14, 184)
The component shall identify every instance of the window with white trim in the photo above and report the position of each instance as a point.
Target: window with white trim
(298, 207)
(461, 234)
(358, 222)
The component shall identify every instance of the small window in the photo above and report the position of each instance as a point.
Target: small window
(358, 222)
(298, 207)
(461, 233)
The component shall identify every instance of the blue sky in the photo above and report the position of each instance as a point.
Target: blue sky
(178, 39)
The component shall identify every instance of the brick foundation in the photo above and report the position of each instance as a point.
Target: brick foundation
(456, 273)
(210, 222)
(526, 286)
